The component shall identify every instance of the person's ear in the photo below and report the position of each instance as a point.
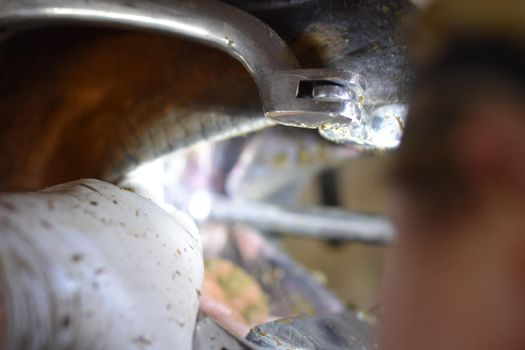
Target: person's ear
(490, 146)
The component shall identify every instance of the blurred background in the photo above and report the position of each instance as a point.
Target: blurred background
(287, 169)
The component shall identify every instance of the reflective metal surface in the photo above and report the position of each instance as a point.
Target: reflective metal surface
(256, 45)
(380, 130)
(359, 36)
(210, 22)
(318, 222)
(313, 97)
(364, 37)
(189, 92)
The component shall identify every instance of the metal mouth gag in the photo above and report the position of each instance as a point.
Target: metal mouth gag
(325, 99)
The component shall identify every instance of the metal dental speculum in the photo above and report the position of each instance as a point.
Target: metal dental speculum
(331, 100)
(310, 98)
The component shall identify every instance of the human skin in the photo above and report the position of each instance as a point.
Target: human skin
(458, 282)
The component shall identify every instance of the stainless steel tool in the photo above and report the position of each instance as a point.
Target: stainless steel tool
(329, 99)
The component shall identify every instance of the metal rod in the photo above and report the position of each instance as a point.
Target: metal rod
(314, 222)
(213, 23)
(263, 53)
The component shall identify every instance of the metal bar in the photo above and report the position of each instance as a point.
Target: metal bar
(258, 47)
(210, 22)
(314, 222)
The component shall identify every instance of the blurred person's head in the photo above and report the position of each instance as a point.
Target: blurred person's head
(455, 278)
